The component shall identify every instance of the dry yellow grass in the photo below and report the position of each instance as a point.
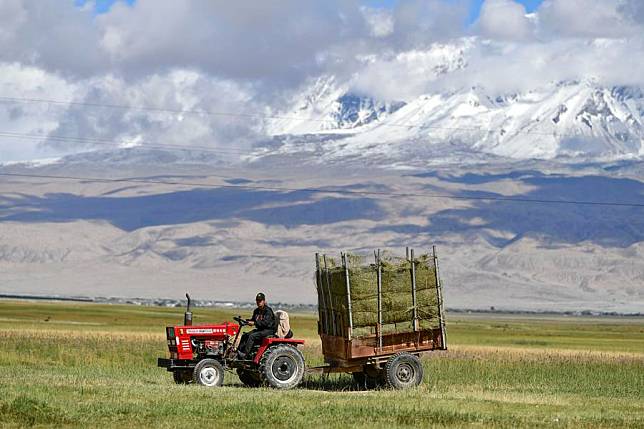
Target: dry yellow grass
(96, 366)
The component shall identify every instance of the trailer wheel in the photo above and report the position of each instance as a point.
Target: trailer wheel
(248, 378)
(282, 367)
(403, 370)
(182, 376)
(209, 373)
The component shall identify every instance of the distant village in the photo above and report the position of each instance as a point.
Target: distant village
(161, 302)
(171, 302)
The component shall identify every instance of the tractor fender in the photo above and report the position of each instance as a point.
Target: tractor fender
(267, 342)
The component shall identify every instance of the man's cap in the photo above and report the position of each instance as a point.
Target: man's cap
(260, 297)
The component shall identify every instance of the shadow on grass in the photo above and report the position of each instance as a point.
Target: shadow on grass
(332, 383)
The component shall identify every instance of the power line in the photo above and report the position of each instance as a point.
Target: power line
(260, 151)
(112, 143)
(329, 191)
(258, 115)
(156, 109)
(144, 143)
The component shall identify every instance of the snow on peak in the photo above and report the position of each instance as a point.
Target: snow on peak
(563, 119)
(326, 105)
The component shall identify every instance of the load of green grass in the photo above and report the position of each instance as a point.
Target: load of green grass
(396, 295)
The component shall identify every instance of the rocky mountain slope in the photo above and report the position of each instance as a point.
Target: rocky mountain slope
(152, 239)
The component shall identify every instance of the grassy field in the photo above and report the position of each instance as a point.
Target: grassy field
(80, 365)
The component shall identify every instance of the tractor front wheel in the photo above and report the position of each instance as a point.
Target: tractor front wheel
(209, 373)
(282, 366)
(403, 370)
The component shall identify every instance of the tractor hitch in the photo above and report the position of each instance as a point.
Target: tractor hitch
(172, 364)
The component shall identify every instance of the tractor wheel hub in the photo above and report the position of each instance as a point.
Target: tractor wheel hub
(209, 376)
(284, 368)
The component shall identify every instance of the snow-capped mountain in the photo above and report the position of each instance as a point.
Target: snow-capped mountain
(329, 105)
(572, 119)
(562, 119)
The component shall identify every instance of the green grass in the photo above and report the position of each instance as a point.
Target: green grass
(87, 365)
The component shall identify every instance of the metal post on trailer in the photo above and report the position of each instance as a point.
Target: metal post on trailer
(439, 298)
(323, 313)
(318, 285)
(332, 323)
(413, 291)
(379, 299)
(345, 262)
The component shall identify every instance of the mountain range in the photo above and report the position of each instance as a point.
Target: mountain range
(565, 120)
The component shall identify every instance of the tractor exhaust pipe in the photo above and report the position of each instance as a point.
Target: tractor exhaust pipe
(187, 316)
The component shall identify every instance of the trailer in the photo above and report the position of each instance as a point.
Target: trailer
(376, 319)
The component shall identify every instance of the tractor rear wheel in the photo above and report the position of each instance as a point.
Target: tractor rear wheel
(209, 373)
(403, 370)
(282, 366)
(248, 378)
(182, 376)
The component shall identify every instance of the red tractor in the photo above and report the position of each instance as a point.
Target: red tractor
(201, 354)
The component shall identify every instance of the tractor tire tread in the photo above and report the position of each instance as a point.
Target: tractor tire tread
(272, 353)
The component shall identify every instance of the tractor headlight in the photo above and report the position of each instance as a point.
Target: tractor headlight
(169, 332)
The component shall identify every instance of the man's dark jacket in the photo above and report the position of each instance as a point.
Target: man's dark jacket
(264, 319)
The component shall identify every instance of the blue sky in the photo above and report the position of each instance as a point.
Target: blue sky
(530, 5)
(103, 5)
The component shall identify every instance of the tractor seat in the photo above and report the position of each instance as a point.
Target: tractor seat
(287, 336)
(283, 327)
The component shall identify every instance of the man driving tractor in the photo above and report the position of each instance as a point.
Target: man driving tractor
(263, 320)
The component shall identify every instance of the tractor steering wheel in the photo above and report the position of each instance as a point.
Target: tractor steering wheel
(242, 322)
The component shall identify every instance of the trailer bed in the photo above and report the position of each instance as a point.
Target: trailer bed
(341, 345)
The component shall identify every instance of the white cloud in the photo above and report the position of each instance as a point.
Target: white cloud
(277, 40)
(12, 17)
(586, 18)
(505, 19)
(381, 21)
(178, 91)
(512, 67)
(407, 74)
(419, 23)
(246, 56)
(36, 119)
(54, 35)
(633, 10)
